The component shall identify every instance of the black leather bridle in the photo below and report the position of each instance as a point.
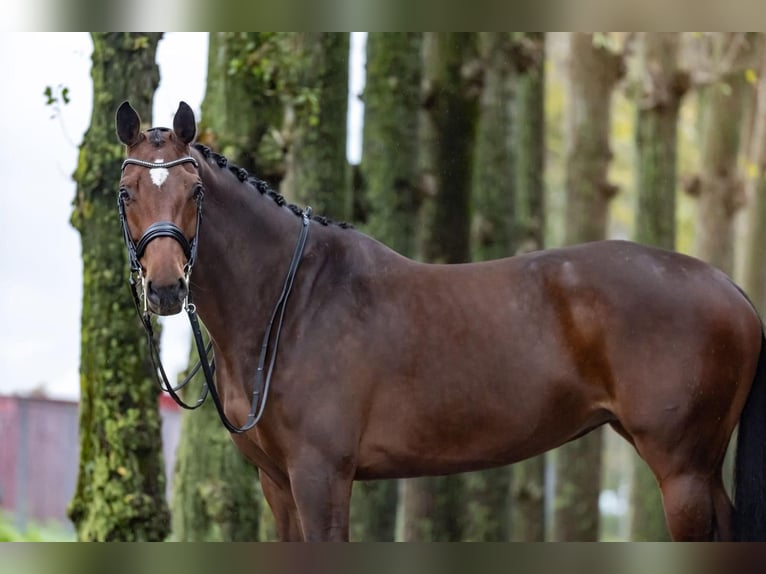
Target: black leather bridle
(170, 229)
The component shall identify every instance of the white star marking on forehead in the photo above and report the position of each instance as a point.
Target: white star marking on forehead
(158, 174)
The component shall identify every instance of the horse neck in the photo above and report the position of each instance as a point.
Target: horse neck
(245, 246)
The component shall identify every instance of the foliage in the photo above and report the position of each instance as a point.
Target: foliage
(34, 532)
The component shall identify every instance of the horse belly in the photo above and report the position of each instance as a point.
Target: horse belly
(436, 437)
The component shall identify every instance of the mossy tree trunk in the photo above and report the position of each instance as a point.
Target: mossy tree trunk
(451, 88)
(486, 494)
(390, 172)
(593, 71)
(428, 507)
(719, 187)
(120, 492)
(216, 495)
(390, 150)
(754, 272)
(492, 198)
(318, 173)
(661, 86)
(248, 80)
(528, 476)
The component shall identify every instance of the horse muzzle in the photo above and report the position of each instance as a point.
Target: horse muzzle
(166, 299)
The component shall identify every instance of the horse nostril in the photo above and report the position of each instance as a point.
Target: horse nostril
(166, 298)
(183, 289)
(152, 293)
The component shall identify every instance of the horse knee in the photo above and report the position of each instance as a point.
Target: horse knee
(689, 510)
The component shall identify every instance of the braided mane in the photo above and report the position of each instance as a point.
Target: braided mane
(262, 186)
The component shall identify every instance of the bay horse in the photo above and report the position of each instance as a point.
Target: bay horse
(392, 368)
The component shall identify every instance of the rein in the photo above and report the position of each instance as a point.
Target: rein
(168, 229)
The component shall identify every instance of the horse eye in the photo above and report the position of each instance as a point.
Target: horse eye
(124, 194)
(198, 192)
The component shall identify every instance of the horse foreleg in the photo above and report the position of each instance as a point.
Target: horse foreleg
(283, 508)
(322, 494)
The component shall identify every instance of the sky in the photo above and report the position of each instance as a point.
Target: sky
(41, 271)
(41, 276)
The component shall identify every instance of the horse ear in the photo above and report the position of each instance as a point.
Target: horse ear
(128, 124)
(184, 124)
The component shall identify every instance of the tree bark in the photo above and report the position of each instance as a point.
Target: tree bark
(754, 273)
(451, 88)
(658, 99)
(528, 476)
(243, 111)
(447, 135)
(390, 160)
(720, 189)
(593, 73)
(390, 171)
(318, 173)
(120, 493)
(215, 490)
(493, 172)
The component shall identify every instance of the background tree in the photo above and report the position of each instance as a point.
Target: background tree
(390, 142)
(528, 476)
(492, 198)
(249, 76)
(427, 506)
(318, 173)
(594, 69)
(120, 492)
(390, 172)
(486, 494)
(660, 87)
(451, 87)
(754, 276)
(215, 489)
(719, 187)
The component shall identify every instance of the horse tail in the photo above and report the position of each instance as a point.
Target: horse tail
(750, 465)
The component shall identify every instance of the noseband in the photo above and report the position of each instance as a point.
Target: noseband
(169, 229)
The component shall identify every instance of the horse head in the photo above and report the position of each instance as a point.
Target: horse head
(159, 199)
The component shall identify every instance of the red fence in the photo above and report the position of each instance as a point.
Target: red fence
(38, 488)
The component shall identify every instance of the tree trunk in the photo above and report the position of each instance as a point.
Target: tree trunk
(658, 99)
(120, 492)
(448, 127)
(389, 167)
(662, 85)
(215, 490)
(243, 110)
(493, 172)
(528, 477)
(216, 494)
(593, 72)
(754, 273)
(719, 188)
(390, 157)
(318, 172)
(450, 93)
